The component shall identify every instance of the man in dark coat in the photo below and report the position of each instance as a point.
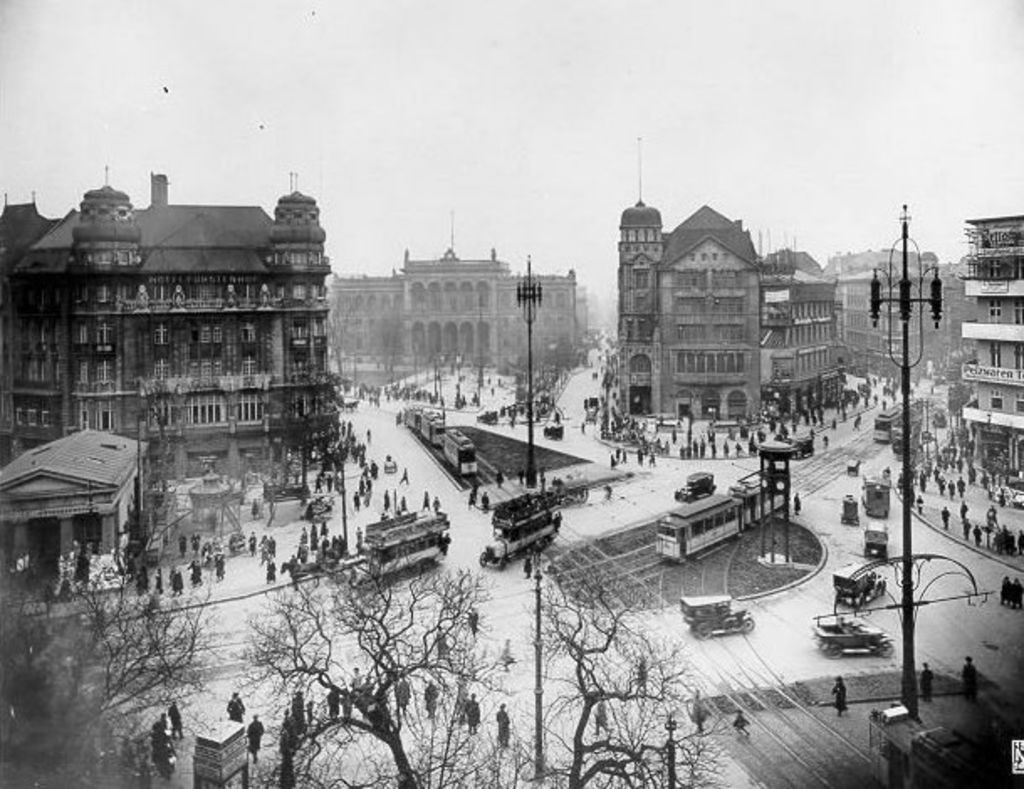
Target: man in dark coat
(236, 708)
(839, 691)
(334, 702)
(430, 699)
(473, 714)
(969, 674)
(255, 736)
(504, 726)
(174, 716)
(926, 683)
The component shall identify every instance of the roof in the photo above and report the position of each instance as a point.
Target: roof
(701, 600)
(706, 503)
(848, 570)
(21, 225)
(993, 219)
(787, 260)
(640, 215)
(706, 223)
(105, 459)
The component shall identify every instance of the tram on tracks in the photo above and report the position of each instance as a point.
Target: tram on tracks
(702, 524)
(428, 425)
(391, 545)
(460, 452)
(526, 523)
(885, 422)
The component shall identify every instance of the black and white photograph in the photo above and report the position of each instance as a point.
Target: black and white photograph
(468, 395)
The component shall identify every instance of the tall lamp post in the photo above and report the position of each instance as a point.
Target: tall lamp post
(538, 689)
(905, 301)
(528, 296)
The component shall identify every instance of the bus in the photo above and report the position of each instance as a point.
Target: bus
(460, 452)
(395, 544)
(884, 424)
(694, 527)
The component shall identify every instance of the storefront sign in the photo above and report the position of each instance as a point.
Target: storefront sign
(994, 286)
(776, 296)
(977, 372)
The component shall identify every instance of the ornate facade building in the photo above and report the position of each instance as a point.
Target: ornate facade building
(452, 311)
(201, 328)
(688, 316)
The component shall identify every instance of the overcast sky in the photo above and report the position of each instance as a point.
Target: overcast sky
(808, 120)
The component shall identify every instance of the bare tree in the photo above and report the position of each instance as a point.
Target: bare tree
(616, 686)
(376, 644)
(80, 677)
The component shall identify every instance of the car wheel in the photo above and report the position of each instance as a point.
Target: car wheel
(748, 625)
(885, 649)
(833, 651)
(703, 630)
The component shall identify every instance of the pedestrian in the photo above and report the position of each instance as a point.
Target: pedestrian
(967, 529)
(504, 726)
(159, 580)
(839, 691)
(252, 544)
(926, 683)
(182, 545)
(920, 505)
(474, 621)
(601, 718)
(437, 505)
(969, 674)
(507, 658)
(255, 736)
(430, 699)
(473, 714)
(271, 572)
(334, 702)
(796, 503)
(741, 723)
(403, 693)
(641, 675)
(174, 716)
(977, 535)
(527, 566)
(236, 708)
(299, 712)
(405, 476)
(426, 500)
(945, 518)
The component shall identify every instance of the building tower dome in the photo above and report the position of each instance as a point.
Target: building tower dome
(641, 215)
(106, 218)
(297, 221)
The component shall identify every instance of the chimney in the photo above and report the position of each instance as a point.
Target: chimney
(158, 189)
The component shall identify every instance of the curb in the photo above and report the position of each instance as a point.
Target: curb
(792, 584)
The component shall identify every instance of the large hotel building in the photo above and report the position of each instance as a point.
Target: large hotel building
(996, 280)
(201, 328)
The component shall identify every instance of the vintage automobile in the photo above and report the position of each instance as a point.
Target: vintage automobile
(853, 467)
(856, 591)
(844, 637)
(554, 432)
(803, 446)
(876, 540)
(698, 486)
(714, 615)
(850, 515)
(488, 417)
(390, 466)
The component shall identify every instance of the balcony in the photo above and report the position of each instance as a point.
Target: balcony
(104, 347)
(194, 305)
(300, 342)
(1004, 332)
(95, 387)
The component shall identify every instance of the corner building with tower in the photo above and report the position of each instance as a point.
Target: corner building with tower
(689, 305)
(198, 328)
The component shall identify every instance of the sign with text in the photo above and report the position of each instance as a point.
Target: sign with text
(1003, 375)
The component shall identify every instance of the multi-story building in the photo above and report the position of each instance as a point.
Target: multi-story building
(995, 280)
(451, 311)
(689, 305)
(202, 328)
(801, 365)
(21, 226)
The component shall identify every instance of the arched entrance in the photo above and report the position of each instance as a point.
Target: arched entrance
(640, 384)
(450, 339)
(466, 338)
(434, 338)
(736, 404)
(712, 405)
(419, 338)
(483, 332)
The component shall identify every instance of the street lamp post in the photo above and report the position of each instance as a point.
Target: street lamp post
(538, 689)
(905, 302)
(528, 296)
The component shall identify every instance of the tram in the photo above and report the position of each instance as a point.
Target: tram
(460, 452)
(527, 522)
(395, 544)
(696, 526)
(428, 425)
(885, 422)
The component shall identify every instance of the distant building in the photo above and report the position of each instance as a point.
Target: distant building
(202, 328)
(995, 280)
(451, 311)
(689, 303)
(801, 361)
(21, 226)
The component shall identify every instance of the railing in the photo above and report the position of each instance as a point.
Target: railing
(204, 305)
(103, 347)
(95, 387)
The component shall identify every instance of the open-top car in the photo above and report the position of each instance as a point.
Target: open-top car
(553, 431)
(714, 615)
(855, 589)
(487, 417)
(840, 636)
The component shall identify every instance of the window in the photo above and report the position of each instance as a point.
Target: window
(300, 329)
(248, 332)
(319, 328)
(1018, 311)
(102, 293)
(299, 291)
(1018, 356)
(104, 372)
(250, 408)
(83, 334)
(730, 306)
(995, 310)
(83, 372)
(725, 279)
(204, 333)
(249, 366)
(205, 410)
(728, 332)
(104, 333)
(996, 401)
(83, 417)
(1020, 403)
(160, 334)
(995, 356)
(161, 369)
(689, 279)
(689, 333)
(689, 306)
(641, 279)
(205, 369)
(217, 333)
(44, 418)
(19, 415)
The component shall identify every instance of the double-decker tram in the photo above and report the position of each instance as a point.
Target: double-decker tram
(460, 453)
(526, 523)
(395, 544)
(697, 526)
(885, 423)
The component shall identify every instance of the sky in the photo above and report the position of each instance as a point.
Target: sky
(812, 122)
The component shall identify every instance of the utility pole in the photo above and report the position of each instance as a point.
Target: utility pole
(538, 690)
(905, 302)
